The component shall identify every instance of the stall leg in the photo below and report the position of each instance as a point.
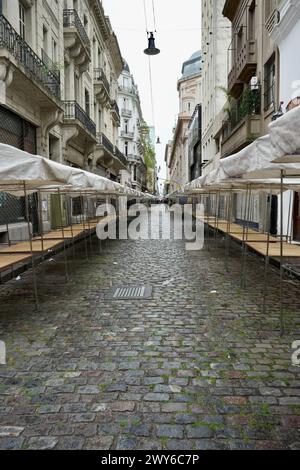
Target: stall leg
(31, 249)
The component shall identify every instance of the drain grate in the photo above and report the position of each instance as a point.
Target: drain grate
(132, 293)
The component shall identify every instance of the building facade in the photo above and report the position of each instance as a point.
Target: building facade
(284, 28)
(190, 95)
(253, 77)
(252, 92)
(216, 34)
(59, 67)
(130, 131)
(195, 143)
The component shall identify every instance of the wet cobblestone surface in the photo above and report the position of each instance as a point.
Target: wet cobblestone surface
(197, 366)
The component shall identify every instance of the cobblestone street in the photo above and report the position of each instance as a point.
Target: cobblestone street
(195, 367)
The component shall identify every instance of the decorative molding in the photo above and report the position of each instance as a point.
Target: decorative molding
(289, 16)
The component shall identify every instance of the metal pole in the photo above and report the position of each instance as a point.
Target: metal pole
(41, 228)
(89, 224)
(63, 234)
(267, 259)
(83, 224)
(281, 256)
(70, 204)
(31, 248)
(227, 236)
(245, 233)
(289, 228)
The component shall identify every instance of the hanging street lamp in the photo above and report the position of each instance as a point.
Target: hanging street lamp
(151, 49)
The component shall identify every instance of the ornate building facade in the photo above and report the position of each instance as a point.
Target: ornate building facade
(190, 95)
(130, 130)
(59, 67)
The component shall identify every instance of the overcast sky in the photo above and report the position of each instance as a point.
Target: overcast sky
(178, 24)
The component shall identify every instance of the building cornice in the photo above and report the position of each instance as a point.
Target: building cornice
(187, 79)
(113, 46)
(289, 16)
(100, 15)
(108, 35)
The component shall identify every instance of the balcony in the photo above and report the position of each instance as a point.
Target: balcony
(244, 66)
(54, 68)
(126, 89)
(108, 155)
(127, 135)
(246, 62)
(24, 70)
(234, 85)
(101, 86)
(115, 112)
(121, 157)
(127, 113)
(74, 113)
(243, 124)
(77, 42)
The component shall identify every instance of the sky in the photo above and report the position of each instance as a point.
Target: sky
(178, 25)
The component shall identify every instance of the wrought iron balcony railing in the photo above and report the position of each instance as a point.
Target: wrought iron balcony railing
(112, 149)
(50, 64)
(127, 134)
(105, 142)
(115, 107)
(126, 112)
(33, 64)
(99, 75)
(74, 111)
(72, 20)
(121, 156)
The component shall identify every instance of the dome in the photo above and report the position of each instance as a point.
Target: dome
(126, 66)
(192, 66)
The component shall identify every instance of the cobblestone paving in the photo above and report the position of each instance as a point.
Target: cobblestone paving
(196, 367)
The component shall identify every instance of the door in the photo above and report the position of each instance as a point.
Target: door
(297, 217)
(18, 133)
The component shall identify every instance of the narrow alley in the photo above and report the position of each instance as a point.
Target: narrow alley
(196, 366)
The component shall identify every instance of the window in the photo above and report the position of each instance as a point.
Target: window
(22, 25)
(54, 51)
(270, 79)
(87, 102)
(126, 149)
(45, 39)
(251, 21)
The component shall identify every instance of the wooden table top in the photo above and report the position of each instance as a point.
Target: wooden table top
(7, 261)
(37, 247)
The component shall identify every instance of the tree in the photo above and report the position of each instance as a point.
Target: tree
(149, 155)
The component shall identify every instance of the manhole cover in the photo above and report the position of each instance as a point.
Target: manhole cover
(131, 293)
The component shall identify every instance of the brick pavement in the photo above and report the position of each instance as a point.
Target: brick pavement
(196, 367)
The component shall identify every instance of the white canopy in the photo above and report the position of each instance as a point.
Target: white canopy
(22, 172)
(256, 161)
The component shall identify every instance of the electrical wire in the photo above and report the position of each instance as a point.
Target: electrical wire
(146, 19)
(149, 59)
(151, 92)
(154, 16)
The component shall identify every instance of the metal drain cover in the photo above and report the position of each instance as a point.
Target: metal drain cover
(131, 293)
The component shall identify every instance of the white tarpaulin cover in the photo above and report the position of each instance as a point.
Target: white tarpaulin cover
(256, 160)
(18, 168)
